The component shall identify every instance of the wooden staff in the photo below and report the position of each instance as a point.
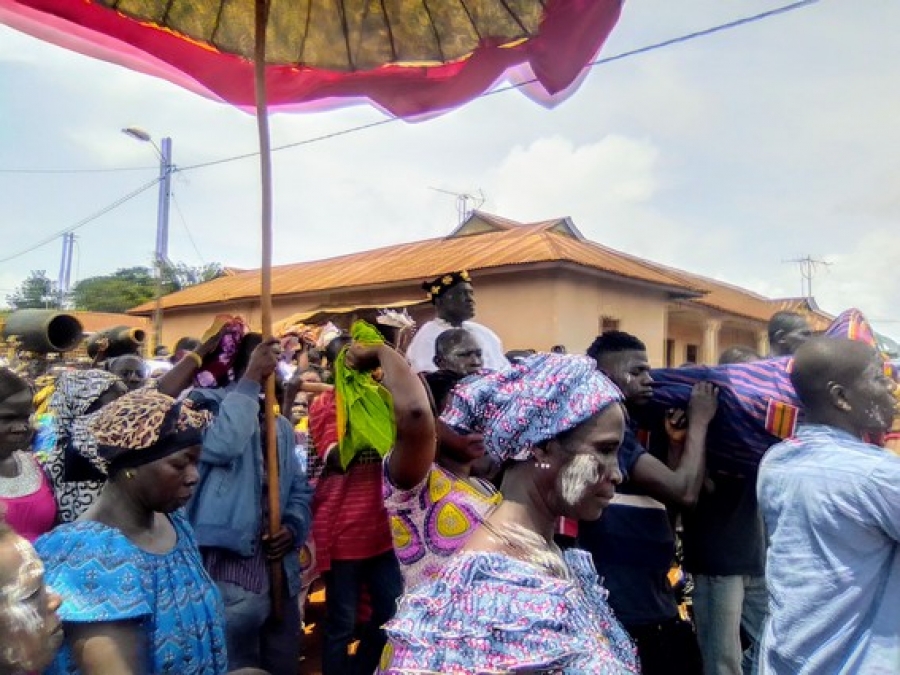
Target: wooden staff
(265, 165)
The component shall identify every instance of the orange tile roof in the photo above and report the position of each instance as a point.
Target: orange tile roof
(818, 319)
(510, 243)
(92, 322)
(413, 262)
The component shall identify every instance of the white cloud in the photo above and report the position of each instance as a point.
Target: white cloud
(553, 176)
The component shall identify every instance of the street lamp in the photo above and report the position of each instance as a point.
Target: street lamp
(161, 255)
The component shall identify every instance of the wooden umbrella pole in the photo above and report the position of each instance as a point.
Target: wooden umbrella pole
(265, 164)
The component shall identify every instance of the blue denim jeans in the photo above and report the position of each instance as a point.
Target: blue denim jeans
(343, 583)
(255, 638)
(724, 607)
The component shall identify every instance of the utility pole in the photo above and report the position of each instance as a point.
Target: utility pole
(809, 266)
(162, 233)
(161, 252)
(65, 269)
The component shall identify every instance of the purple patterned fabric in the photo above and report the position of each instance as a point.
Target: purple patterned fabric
(757, 408)
(529, 402)
(490, 613)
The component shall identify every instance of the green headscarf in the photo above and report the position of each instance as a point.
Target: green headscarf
(365, 409)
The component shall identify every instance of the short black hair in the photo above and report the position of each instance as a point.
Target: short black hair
(440, 384)
(187, 344)
(614, 341)
(821, 361)
(517, 355)
(244, 350)
(785, 321)
(738, 354)
(11, 383)
(333, 348)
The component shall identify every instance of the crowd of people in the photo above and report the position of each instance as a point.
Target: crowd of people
(464, 509)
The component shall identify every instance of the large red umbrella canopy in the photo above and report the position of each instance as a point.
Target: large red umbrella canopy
(408, 57)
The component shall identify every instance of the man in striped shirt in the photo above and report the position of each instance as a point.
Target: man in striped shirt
(354, 549)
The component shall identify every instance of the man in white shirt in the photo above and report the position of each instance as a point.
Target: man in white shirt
(454, 301)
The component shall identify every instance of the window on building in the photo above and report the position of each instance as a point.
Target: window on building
(691, 353)
(670, 353)
(608, 323)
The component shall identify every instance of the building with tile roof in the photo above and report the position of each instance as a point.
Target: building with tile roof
(537, 285)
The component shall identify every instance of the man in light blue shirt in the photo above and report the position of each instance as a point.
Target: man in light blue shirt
(831, 505)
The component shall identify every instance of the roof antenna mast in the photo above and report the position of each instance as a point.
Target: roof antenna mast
(463, 201)
(809, 266)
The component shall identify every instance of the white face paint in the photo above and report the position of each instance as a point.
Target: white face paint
(17, 597)
(580, 474)
(26, 611)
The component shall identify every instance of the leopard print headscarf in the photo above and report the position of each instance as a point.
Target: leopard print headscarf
(144, 426)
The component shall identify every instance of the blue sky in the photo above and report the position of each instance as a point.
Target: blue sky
(727, 156)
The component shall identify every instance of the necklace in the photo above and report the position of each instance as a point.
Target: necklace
(26, 482)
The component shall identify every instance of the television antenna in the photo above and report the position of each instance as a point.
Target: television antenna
(809, 267)
(463, 201)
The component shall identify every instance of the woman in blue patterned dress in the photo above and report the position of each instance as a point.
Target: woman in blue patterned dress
(136, 599)
(510, 601)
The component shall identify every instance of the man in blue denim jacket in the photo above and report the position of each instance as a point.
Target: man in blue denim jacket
(229, 512)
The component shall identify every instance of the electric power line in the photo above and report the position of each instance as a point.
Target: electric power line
(784, 9)
(113, 170)
(736, 23)
(84, 221)
(186, 229)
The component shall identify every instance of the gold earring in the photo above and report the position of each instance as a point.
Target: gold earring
(129, 474)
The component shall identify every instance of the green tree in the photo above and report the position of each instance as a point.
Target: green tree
(116, 292)
(177, 276)
(131, 286)
(36, 292)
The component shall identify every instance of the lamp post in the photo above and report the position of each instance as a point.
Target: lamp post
(161, 253)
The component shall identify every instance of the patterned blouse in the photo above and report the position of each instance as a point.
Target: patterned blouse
(490, 613)
(102, 577)
(434, 520)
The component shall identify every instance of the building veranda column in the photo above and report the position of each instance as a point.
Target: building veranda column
(710, 350)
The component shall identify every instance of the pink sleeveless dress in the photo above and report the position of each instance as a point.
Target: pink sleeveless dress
(28, 499)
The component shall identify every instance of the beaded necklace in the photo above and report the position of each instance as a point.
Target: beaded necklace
(26, 482)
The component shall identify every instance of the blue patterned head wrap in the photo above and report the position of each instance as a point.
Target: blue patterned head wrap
(529, 402)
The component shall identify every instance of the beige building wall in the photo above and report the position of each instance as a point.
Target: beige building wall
(528, 309)
(738, 336)
(685, 336)
(688, 334)
(545, 308)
